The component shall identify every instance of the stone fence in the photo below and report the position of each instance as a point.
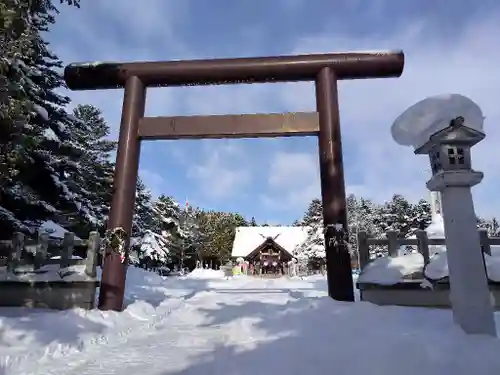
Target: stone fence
(421, 242)
(413, 289)
(28, 277)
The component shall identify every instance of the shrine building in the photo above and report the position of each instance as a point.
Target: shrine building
(268, 248)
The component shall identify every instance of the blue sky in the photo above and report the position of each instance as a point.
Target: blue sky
(450, 47)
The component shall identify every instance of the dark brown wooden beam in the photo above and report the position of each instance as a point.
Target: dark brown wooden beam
(229, 126)
(347, 65)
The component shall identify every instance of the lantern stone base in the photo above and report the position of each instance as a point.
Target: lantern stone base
(58, 295)
(410, 293)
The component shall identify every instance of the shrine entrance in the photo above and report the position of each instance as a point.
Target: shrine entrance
(269, 258)
(324, 69)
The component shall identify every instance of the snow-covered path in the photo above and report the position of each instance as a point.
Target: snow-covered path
(190, 332)
(252, 326)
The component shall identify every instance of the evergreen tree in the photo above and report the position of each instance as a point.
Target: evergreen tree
(16, 40)
(91, 182)
(253, 222)
(167, 224)
(191, 237)
(149, 249)
(362, 215)
(219, 230)
(403, 217)
(314, 213)
(492, 226)
(37, 149)
(422, 216)
(144, 216)
(312, 251)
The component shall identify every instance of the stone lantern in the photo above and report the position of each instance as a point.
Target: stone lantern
(449, 150)
(446, 127)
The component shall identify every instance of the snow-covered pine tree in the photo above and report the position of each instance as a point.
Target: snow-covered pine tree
(36, 188)
(395, 215)
(491, 225)
(167, 224)
(150, 252)
(16, 40)
(421, 216)
(314, 213)
(92, 181)
(191, 237)
(312, 251)
(403, 217)
(400, 215)
(148, 248)
(361, 216)
(144, 217)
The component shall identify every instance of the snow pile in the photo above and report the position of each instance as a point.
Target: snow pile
(493, 267)
(438, 266)
(74, 257)
(54, 230)
(390, 271)
(202, 273)
(48, 273)
(436, 230)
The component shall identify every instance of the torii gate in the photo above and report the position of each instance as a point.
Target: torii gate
(324, 69)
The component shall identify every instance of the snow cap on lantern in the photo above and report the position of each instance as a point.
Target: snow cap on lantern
(415, 126)
(445, 127)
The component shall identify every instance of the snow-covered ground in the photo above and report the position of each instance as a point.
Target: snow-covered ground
(203, 324)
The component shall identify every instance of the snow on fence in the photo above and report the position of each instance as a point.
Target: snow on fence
(28, 277)
(39, 248)
(417, 279)
(421, 241)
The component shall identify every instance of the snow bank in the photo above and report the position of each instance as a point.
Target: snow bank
(201, 273)
(438, 266)
(493, 267)
(54, 230)
(48, 273)
(74, 257)
(436, 230)
(390, 271)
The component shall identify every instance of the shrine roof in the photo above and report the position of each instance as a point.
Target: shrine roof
(247, 239)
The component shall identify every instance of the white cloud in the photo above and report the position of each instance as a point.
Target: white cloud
(218, 175)
(293, 180)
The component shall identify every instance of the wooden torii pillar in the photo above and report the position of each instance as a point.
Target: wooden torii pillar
(324, 69)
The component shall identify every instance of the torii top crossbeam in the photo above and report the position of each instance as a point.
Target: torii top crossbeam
(347, 65)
